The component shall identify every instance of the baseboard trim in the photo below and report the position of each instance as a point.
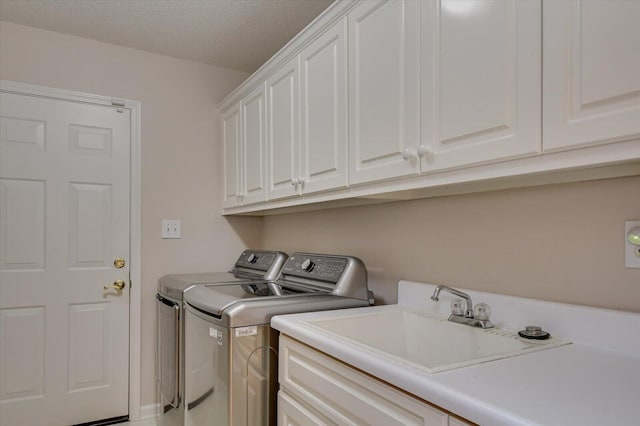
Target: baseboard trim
(149, 411)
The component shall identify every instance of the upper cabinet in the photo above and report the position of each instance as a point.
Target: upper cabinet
(395, 99)
(323, 78)
(442, 84)
(481, 82)
(283, 131)
(231, 146)
(384, 95)
(307, 119)
(591, 72)
(243, 141)
(253, 147)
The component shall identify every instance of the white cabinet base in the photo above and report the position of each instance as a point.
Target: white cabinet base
(318, 389)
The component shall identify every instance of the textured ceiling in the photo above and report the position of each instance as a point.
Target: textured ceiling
(236, 34)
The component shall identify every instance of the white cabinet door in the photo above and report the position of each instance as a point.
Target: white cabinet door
(384, 88)
(253, 187)
(481, 76)
(591, 72)
(283, 135)
(324, 111)
(294, 413)
(344, 395)
(232, 155)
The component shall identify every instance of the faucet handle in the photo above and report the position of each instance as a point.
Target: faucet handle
(458, 307)
(482, 311)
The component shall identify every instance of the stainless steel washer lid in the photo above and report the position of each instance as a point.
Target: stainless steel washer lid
(234, 306)
(175, 285)
(307, 282)
(251, 265)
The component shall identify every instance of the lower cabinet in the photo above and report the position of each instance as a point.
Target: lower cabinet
(316, 389)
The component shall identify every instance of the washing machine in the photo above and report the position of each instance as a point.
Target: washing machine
(252, 270)
(232, 352)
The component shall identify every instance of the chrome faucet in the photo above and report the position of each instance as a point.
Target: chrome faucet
(468, 318)
(436, 293)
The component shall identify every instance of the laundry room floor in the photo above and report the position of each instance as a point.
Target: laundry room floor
(147, 422)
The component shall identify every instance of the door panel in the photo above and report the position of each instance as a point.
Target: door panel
(384, 101)
(168, 352)
(22, 224)
(64, 218)
(283, 138)
(481, 81)
(591, 72)
(22, 134)
(89, 343)
(232, 145)
(253, 148)
(324, 111)
(22, 356)
(90, 222)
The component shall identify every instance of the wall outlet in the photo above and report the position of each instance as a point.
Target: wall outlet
(170, 228)
(631, 252)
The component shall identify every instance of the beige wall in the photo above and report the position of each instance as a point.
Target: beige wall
(560, 242)
(179, 151)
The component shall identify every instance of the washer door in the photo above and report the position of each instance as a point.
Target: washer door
(168, 351)
(206, 372)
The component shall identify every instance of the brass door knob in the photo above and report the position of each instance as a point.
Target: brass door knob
(119, 262)
(117, 285)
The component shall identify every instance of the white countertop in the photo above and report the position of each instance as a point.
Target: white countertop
(576, 384)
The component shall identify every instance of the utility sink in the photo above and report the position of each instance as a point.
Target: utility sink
(426, 341)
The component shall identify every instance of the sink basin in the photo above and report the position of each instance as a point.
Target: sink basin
(428, 342)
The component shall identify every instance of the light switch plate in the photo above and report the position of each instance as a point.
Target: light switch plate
(170, 228)
(631, 252)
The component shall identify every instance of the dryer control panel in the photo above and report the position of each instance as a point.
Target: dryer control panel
(339, 275)
(265, 263)
(323, 268)
(254, 259)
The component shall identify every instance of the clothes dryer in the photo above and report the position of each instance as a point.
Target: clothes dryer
(232, 351)
(252, 269)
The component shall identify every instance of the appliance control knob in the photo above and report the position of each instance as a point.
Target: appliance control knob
(307, 265)
(252, 258)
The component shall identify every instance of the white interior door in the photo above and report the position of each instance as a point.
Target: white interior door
(64, 218)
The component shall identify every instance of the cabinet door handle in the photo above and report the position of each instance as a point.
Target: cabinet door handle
(424, 152)
(408, 154)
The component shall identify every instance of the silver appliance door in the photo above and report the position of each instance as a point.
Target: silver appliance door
(207, 386)
(168, 373)
(231, 377)
(254, 375)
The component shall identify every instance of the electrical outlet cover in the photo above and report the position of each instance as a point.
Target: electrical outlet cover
(170, 228)
(631, 252)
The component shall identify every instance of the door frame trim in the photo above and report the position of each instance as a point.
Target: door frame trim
(135, 294)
